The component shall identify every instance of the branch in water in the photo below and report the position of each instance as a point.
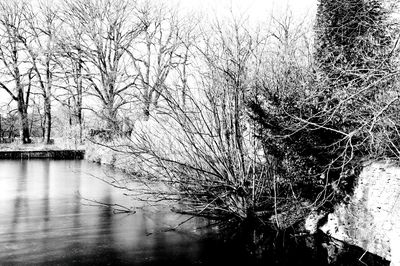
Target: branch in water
(116, 208)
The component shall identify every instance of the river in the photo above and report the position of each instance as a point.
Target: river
(46, 219)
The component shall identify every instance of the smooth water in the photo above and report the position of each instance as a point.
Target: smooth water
(45, 219)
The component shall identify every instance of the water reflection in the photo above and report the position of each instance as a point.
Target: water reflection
(44, 221)
(20, 202)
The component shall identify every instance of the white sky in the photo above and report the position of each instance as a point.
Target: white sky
(258, 9)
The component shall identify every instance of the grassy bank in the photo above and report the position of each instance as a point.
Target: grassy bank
(37, 145)
(111, 154)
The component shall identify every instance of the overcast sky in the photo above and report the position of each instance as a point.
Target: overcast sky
(259, 9)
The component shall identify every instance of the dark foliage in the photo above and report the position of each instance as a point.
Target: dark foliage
(320, 130)
(353, 37)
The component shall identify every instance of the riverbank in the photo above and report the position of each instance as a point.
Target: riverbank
(327, 251)
(123, 161)
(40, 150)
(51, 154)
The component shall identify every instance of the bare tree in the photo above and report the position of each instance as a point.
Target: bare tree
(189, 35)
(39, 39)
(73, 72)
(108, 30)
(9, 124)
(156, 52)
(16, 72)
(201, 147)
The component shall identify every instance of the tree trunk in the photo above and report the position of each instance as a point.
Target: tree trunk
(184, 80)
(47, 97)
(23, 117)
(80, 121)
(146, 110)
(111, 117)
(1, 131)
(79, 100)
(47, 114)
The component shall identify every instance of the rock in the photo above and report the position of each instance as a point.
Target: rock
(312, 221)
(333, 249)
(369, 220)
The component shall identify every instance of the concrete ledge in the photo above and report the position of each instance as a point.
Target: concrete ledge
(52, 154)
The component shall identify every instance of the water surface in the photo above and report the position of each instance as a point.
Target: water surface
(45, 219)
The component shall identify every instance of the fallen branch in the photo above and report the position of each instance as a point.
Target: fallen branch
(116, 208)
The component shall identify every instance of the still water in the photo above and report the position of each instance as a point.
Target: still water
(45, 220)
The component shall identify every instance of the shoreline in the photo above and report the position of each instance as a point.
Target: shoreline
(66, 154)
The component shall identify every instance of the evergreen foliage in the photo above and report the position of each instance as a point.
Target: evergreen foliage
(339, 113)
(353, 37)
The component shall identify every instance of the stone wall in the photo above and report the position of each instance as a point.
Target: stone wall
(371, 219)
